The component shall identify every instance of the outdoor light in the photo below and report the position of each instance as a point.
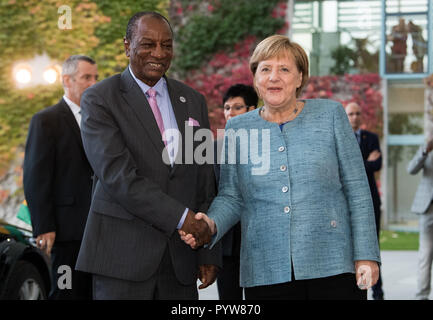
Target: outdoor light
(39, 70)
(23, 74)
(51, 75)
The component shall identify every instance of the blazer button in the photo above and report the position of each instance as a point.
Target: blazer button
(286, 209)
(283, 168)
(284, 189)
(333, 223)
(281, 149)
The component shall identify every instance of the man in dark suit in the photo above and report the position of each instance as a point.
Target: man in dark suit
(148, 186)
(57, 179)
(238, 99)
(370, 149)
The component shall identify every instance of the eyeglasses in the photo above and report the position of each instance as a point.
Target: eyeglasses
(235, 108)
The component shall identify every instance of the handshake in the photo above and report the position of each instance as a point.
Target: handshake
(197, 229)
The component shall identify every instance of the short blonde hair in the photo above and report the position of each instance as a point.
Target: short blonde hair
(278, 45)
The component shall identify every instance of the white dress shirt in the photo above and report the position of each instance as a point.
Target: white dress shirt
(76, 110)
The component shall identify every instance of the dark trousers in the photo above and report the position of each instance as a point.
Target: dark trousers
(65, 254)
(163, 285)
(228, 280)
(339, 287)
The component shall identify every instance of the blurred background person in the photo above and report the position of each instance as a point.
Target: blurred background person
(57, 178)
(398, 37)
(371, 154)
(422, 204)
(308, 229)
(238, 99)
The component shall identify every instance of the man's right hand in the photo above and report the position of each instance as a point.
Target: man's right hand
(45, 242)
(198, 228)
(374, 155)
(190, 239)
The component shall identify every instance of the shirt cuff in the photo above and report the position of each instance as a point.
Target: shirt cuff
(182, 220)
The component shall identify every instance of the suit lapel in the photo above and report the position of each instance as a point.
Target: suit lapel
(180, 109)
(70, 120)
(179, 104)
(362, 144)
(138, 102)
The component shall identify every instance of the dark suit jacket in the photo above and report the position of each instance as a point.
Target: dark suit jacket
(138, 199)
(370, 142)
(231, 241)
(57, 175)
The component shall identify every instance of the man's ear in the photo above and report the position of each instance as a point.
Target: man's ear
(66, 80)
(126, 46)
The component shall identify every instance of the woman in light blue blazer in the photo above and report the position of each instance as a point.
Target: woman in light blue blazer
(308, 227)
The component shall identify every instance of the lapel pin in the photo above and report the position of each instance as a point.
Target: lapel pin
(182, 99)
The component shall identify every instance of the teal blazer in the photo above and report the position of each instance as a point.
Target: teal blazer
(306, 204)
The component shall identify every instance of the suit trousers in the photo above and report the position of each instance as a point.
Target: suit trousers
(65, 254)
(425, 254)
(163, 285)
(228, 279)
(339, 287)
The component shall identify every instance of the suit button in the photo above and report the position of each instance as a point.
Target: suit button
(333, 223)
(281, 149)
(283, 168)
(286, 209)
(285, 189)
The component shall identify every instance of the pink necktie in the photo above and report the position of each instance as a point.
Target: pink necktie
(151, 93)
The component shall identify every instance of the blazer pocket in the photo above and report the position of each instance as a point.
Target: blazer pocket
(110, 209)
(64, 201)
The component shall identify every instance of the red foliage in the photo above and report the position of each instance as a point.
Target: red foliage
(224, 70)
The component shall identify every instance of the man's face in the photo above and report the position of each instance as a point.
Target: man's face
(150, 50)
(86, 76)
(353, 112)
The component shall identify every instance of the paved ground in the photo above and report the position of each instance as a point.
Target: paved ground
(398, 274)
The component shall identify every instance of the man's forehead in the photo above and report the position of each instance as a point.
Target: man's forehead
(149, 26)
(353, 108)
(86, 67)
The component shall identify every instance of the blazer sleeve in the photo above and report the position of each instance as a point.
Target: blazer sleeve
(115, 167)
(226, 208)
(38, 174)
(417, 162)
(356, 189)
(373, 166)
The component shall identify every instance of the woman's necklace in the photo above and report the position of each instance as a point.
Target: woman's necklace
(291, 116)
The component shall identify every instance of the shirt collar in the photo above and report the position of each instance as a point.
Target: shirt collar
(75, 108)
(159, 86)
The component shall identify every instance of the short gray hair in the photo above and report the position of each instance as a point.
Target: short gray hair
(70, 65)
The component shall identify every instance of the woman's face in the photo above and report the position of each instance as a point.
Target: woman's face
(277, 79)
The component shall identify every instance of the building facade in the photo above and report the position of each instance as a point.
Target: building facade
(393, 39)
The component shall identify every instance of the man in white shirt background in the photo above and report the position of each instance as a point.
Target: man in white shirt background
(58, 179)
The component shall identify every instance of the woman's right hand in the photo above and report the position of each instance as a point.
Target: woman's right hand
(189, 238)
